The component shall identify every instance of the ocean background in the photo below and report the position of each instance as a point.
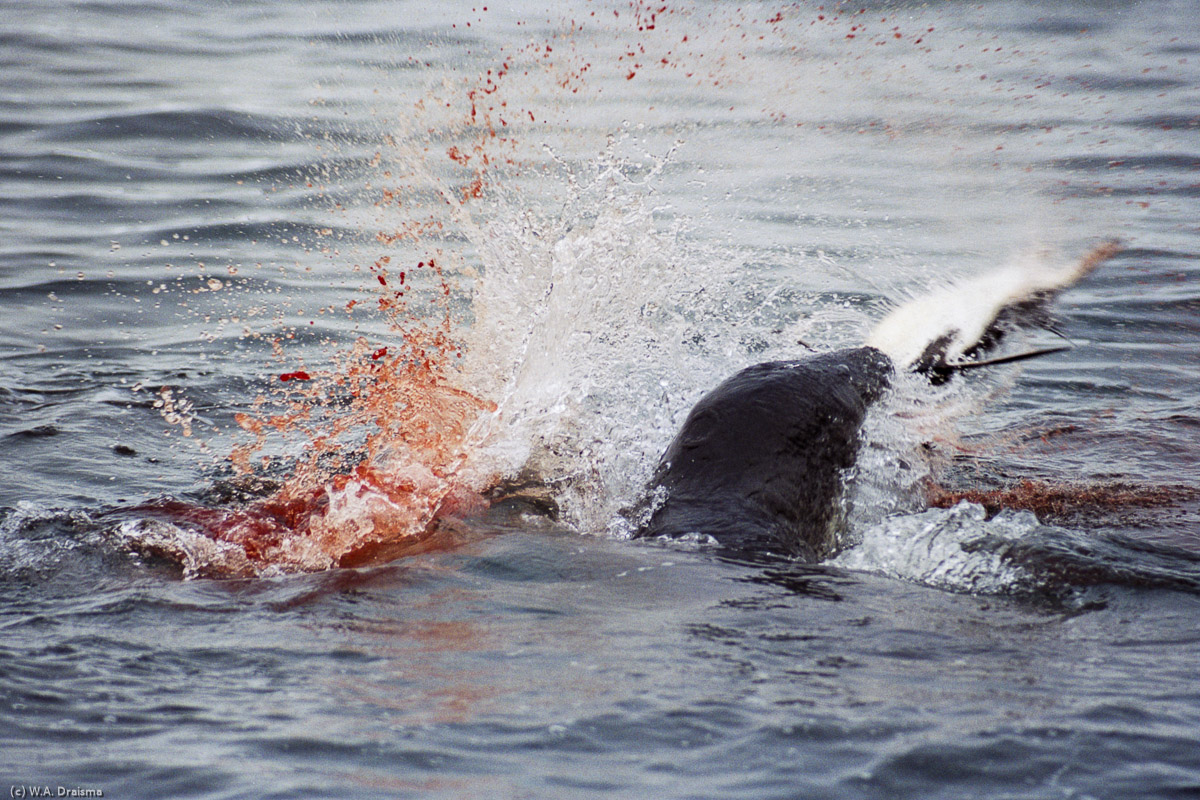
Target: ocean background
(627, 202)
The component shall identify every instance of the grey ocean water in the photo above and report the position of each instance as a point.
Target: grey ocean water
(691, 189)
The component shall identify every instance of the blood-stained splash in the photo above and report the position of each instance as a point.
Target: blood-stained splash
(385, 435)
(382, 435)
(517, 287)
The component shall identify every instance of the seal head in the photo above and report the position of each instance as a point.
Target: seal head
(758, 463)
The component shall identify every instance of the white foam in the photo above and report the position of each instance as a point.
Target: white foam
(197, 554)
(934, 548)
(596, 328)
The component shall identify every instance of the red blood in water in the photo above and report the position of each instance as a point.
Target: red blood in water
(298, 375)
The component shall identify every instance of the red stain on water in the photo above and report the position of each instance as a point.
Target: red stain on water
(386, 432)
(1057, 500)
(384, 435)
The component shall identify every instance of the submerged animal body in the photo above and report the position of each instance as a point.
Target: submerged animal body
(759, 463)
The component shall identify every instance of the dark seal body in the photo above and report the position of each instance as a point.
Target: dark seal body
(758, 463)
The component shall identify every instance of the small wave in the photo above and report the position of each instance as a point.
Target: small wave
(176, 125)
(934, 548)
(40, 545)
(198, 555)
(961, 549)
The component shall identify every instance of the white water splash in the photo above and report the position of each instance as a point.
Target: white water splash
(596, 330)
(935, 548)
(198, 555)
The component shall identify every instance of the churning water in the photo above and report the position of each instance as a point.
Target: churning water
(284, 283)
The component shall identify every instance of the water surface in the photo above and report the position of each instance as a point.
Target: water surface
(671, 193)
